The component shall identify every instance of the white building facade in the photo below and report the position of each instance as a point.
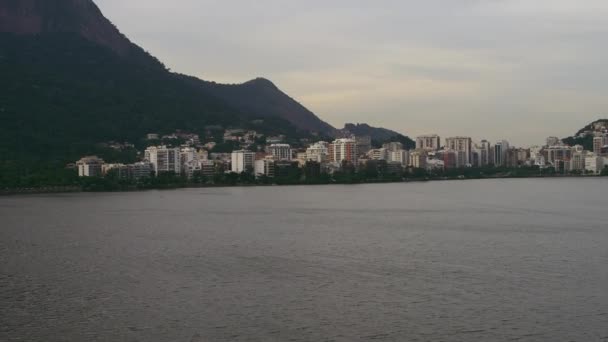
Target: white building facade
(164, 159)
(430, 142)
(243, 161)
(463, 147)
(90, 166)
(317, 152)
(280, 151)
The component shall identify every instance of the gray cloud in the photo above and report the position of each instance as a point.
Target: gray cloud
(514, 69)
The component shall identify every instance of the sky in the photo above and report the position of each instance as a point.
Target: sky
(520, 70)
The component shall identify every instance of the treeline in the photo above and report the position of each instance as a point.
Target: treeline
(57, 177)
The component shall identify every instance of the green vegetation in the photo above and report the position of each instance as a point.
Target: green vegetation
(286, 175)
(61, 95)
(587, 140)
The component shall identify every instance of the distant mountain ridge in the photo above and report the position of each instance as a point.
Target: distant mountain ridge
(262, 98)
(377, 134)
(66, 68)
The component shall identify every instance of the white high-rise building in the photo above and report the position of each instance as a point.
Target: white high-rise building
(265, 167)
(393, 146)
(90, 166)
(399, 156)
(598, 144)
(343, 150)
(594, 164)
(428, 142)
(500, 153)
(418, 159)
(280, 151)
(317, 152)
(164, 159)
(486, 155)
(463, 147)
(577, 161)
(188, 155)
(378, 154)
(243, 161)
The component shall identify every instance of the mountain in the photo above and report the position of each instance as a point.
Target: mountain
(586, 134)
(83, 17)
(70, 79)
(260, 97)
(378, 135)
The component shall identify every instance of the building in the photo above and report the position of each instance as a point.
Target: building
(450, 159)
(285, 168)
(500, 153)
(577, 161)
(90, 166)
(598, 144)
(317, 152)
(119, 170)
(343, 150)
(164, 159)
(434, 164)
(364, 144)
(511, 159)
(188, 158)
(378, 154)
(141, 170)
(280, 151)
(301, 158)
(556, 154)
(536, 156)
(418, 159)
(399, 156)
(209, 168)
(594, 164)
(191, 167)
(486, 157)
(393, 146)
(523, 156)
(428, 142)
(188, 154)
(265, 167)
(475, 158)
(243, 161)
(463, 147)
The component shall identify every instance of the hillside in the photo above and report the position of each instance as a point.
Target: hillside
(70, 80)
(61, 94)
(261, 98)
(378, 135)
(585, 135)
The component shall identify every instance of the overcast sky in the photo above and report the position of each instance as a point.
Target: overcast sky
(516, 69)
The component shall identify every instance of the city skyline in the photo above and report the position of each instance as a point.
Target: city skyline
(507, 68)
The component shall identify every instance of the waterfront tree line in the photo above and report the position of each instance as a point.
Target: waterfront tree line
(56, 178)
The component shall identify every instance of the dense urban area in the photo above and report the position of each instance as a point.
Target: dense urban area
(246, 157)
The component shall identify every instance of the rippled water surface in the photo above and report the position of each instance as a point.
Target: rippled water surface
(504, 260)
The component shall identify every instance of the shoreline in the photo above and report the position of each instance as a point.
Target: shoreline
(79, 189)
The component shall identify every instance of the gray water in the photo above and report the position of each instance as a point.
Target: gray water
(496, 260)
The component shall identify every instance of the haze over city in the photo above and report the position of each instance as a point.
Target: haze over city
(488, 69)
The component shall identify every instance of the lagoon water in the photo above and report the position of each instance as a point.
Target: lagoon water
(490, 260)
